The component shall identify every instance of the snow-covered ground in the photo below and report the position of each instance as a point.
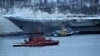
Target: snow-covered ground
(76, 45)
(5, 29)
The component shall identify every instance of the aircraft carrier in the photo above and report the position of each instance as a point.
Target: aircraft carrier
(84, 25)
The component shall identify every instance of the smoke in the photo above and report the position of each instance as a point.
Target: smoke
(28, 13)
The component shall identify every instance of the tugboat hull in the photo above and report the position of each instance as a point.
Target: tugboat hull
(36, 45)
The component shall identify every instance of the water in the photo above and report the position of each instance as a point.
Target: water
(76, 45)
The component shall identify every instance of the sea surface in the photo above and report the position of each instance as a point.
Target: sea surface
(75, 45)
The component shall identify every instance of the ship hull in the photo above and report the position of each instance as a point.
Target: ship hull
(36, 45)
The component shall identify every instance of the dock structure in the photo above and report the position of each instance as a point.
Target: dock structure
(8, 28)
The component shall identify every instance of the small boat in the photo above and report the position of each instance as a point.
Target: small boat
(37, 42)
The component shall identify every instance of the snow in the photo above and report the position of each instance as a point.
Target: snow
(76, 45)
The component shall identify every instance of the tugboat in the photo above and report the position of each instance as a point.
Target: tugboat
(62, 31)
(37, 41)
